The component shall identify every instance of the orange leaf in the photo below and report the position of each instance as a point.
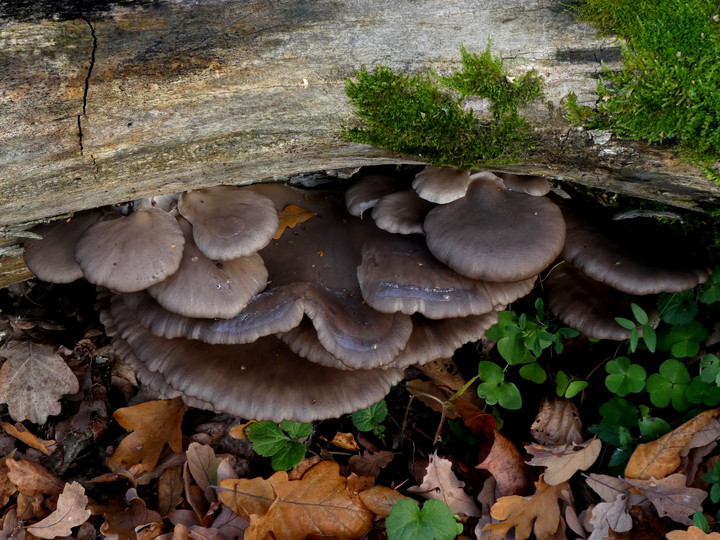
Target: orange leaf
(507, 466)
(153, 424)
(317, 504)
(20, 432)
(692, 533)
(538, 514)
(663, 456)
(290, 216)
(380, 499)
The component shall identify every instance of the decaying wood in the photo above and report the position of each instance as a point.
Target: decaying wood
(120, 102)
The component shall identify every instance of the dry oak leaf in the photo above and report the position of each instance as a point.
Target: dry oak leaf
(671, 496)
(557, 422)
(371, 463)
(663, 456)
(21, 433)
(380, 499)
(203, 465)
(291, 216)
(32, 478)
(537, 514)
(317, 504)
(32, 381)
(70, 512)
(607, 516)
(692, 533)
(441, 483)
(563, 461)
(124, 524)
(507, 466)
(153, 424)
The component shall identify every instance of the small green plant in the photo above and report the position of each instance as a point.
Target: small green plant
(624, 377)
(281, 443)
(566, 386)
(407, 521)
(422, 114)
(494, 389)
(713, 478)
(371, 419)
(641, 326)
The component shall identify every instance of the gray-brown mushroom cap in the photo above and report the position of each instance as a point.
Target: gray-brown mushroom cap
(402, 212)
(399, 274)
(52, 258)
(522, 183)
(366, 191)
(494, 234)
(205, 288)
(131, 253)
(263, 380)
(589, 306)
(229, 222)
(635, 266)
(441, 185)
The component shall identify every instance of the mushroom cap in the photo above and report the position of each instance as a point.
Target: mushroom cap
(205, 288)
(402, 212)
(366, 192)
(131, 253)
(494, 234)
(441, 185)
(523, 183)
(398, 273)
(229, 222)
(262, 380)
(615, 256)
(52, 258)
(590, 306)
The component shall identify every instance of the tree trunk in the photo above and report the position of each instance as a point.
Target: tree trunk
(125, 100)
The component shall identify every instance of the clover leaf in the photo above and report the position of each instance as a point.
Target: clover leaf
(668, 386)
(624, 377)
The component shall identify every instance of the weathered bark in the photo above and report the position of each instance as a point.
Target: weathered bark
(121, 102)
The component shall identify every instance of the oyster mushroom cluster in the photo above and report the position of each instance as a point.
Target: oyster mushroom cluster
(208, 296)
(606, 266)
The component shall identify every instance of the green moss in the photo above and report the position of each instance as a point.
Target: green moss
(422, 114)
(578, 115)
(668, 87)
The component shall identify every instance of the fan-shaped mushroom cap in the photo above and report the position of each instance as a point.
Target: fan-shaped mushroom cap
(262, 380)
(52, 258)
(494, 234)
(133, 252)
(398, 273)
(590, 306)
(402, 212)
(635, 266)
(366, 192)
(229, 222)
(532, 185)
(441, 185)
(205, 288)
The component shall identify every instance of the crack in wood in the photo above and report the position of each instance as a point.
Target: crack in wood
(87, 78)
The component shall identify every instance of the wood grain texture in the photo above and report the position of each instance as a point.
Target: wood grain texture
(132, 99)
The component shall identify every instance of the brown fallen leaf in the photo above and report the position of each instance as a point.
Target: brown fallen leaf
(126, 522)
(32, 478)
(153, 424)
(692, 533)
(346, 441)
(371, 463)
(557, 422)
(537, 514)
(203, 465)
(317, 504)
(671, 496)
(659, 458)
(170, 490)
(7, 487)
(291, 216)
(20, 432)
(441, 483)
(380, 499)
(70, 512)
(32, 381)
(507, 466)
(563, 461)
(611, 516)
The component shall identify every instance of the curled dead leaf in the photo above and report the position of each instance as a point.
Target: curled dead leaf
(70, 512)
(563, 461)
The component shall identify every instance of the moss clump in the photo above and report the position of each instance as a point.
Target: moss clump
(668, 87)
(422, 114)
